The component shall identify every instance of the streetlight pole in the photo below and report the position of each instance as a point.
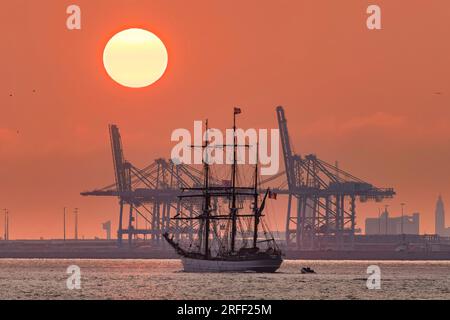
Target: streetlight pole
(402, 204)
(379, 221)
(7, 225)
(76, 223)
(64, 220)
(387, 217)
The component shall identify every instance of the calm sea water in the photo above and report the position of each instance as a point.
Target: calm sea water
(162, 279)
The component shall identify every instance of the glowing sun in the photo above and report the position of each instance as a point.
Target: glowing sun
(135, 58)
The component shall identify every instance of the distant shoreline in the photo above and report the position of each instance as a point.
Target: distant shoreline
(108, 249)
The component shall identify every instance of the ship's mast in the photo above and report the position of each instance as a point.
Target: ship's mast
(255, 205)
(233, 185)
(207, 203)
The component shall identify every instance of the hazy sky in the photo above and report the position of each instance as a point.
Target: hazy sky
(377, 101)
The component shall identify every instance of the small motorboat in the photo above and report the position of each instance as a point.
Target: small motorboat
(307, 270)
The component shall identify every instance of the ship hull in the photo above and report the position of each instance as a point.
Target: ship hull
(257, 265)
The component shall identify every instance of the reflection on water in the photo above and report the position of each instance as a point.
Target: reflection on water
(162, 279)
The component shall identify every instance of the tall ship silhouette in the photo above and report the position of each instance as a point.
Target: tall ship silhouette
(231, 234)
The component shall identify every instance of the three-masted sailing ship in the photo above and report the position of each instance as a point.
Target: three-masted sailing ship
(228, 240)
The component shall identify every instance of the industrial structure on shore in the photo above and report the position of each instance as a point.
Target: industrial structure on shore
(386, 225)
(321, 198)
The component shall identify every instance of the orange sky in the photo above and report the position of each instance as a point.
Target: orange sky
(365, 98)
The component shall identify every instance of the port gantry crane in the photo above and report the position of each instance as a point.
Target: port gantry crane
(325, 198)
(149, 193)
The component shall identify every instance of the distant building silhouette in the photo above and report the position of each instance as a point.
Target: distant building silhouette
(439, 219)
(386, 225)
(107, 227)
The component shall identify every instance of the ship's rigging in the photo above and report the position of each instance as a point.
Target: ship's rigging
(231, 214)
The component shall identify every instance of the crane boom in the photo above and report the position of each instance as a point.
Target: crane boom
(121, 167)
(287, 151)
